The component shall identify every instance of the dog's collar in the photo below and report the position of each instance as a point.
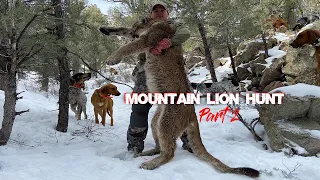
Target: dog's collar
(103, 95)
(78, 85)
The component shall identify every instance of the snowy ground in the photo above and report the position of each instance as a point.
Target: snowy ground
(93, 152)
(90, 151)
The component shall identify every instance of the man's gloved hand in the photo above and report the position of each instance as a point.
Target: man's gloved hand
(163, 44)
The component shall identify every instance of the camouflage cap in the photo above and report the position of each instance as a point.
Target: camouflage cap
(154, 3)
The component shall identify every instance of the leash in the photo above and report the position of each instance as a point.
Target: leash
(87, 65)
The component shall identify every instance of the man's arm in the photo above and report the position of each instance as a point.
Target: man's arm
(181, 34)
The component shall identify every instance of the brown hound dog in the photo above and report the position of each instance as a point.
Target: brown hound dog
(102, 102)
(77, 98)
(277, 22)
(309, 36)
(113, 71)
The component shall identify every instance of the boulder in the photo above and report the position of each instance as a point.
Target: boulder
(300, 66)
(273, 85)
(242, 73)
(294, 124)
(270, 75)
(257, 68)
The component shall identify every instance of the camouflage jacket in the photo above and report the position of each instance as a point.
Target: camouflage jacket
(181, 35)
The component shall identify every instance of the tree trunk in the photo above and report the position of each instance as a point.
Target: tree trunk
(9, 107)
(10, 84)
(2, 76)
(266, 54)
(235, 74)
(64, 74)
(206, 49)
(44, 83)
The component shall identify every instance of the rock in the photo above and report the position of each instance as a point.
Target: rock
(314, 109)
(242, 73)
(269, 75)
(300, 66)
(276, 139)
(257, 69)
(273, 85)
(292, 123)
(260, 59)
(248, 53)
(278, 63)
(192, 60)
(291, 107)
(255, 81)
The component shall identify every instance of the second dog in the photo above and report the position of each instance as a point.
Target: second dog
(102, 102)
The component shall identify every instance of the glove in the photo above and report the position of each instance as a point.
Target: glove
(163, 44)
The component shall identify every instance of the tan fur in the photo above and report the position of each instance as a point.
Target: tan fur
(113, 71)
(103, 103)
(277, 22)
(166, 73)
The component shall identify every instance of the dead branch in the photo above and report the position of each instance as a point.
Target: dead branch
(20, 92)
(248, 126)
(86, 64)
(21, 112)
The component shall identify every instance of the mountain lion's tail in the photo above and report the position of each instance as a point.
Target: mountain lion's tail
(200, 151)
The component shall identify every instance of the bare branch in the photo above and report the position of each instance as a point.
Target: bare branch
(86, 64)
(6, 68)
(21, 112)
(26, 26)
(3, 72)
(4, 55)
(20, 92)
(84, 25)
(30, 55)
(4, 45)
(32, 19)
(249, 127)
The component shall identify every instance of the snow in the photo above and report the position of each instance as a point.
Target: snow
(274, 53)
(36, 151)
(201, 74)
(281, 37)
(300, 90)
(90, 151)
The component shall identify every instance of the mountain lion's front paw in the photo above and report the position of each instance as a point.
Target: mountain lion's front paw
(113, 61)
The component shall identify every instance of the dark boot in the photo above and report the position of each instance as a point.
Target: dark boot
(185, 141)
(138, 127)
(135, 138)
